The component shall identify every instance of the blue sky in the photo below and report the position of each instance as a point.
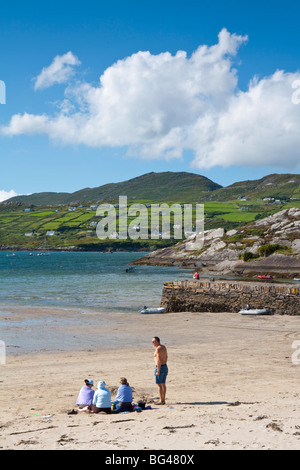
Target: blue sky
(103, 91)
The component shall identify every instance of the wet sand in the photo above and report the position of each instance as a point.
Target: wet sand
(232, 384)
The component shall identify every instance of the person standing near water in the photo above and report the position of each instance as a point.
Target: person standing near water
(161, 369)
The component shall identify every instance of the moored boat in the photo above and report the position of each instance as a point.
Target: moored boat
(146, 310)
(255, 311)
(265, 276)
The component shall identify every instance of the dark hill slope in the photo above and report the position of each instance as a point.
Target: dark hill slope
(160, 187)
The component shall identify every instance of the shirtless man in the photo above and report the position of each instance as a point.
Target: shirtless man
(161, 369)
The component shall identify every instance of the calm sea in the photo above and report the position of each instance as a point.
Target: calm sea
(66, 301)
(87, 281)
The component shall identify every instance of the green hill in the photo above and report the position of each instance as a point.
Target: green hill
(156, 187)
(63, 220)
(169, 186)
(277, 186)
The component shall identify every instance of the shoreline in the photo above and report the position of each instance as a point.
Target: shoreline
(231, 385)
(69, 249)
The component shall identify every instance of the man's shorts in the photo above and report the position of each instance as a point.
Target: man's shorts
(161, 378)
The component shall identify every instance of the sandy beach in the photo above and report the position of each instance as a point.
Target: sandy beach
(232, 384)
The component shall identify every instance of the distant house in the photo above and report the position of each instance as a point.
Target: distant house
(50, 233)
(29, 234)
(27, 209)
(90, 233)
(94, 207)
(114, 235)
(72, 209)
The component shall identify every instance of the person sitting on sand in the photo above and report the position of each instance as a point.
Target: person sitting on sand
(123, 399)
(101, 400)
(86, 394)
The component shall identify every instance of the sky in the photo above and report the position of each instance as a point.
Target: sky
(99, 92)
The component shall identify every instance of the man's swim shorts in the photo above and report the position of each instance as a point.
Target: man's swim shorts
(161, 378)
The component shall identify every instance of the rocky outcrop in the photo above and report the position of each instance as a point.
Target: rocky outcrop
(221, 251)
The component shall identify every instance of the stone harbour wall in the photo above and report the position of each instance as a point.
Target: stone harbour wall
(230, 296)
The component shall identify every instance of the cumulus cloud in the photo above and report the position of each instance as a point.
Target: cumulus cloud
(259, 127)
(59, 71)
(4, 195)
(160, 105)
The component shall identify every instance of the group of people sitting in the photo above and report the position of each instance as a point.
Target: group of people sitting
(92, 401)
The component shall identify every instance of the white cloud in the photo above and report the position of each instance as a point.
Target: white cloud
(260, 127)
(59, 71)
(4, 195)
(159, 105)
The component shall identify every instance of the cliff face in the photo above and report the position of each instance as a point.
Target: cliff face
(224, 252)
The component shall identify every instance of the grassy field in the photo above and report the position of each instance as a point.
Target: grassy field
(30, 229)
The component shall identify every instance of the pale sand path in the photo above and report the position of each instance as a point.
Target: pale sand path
(231, 385)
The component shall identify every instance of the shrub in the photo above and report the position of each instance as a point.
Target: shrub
(269, 249)
(247, 256)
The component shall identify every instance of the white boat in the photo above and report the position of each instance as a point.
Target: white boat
(255, 311)
(152, 310)
(296, 278)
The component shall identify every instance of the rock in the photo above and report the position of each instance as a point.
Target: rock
(231, 233)
(214, 249)
(214, 233)
(296, 245)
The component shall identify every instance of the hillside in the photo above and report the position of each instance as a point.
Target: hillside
(277, 186)
(171, 187)
(26, 221)
(156, 187)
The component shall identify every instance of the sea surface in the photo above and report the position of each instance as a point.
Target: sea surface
(45, 297)
(88, 281)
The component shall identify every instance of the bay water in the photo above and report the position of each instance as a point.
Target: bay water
(88, 281)
(46, 296)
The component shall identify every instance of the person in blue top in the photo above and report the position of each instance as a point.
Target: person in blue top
(101, 400)
(123, 399)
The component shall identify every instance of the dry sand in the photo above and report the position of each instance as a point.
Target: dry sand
(231, 385)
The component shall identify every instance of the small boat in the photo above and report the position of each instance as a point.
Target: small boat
(255, 311)
(131, 269)
(265, 276)
(152, 310)
(296, 278)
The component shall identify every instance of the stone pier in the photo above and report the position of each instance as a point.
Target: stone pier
(230, 296)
